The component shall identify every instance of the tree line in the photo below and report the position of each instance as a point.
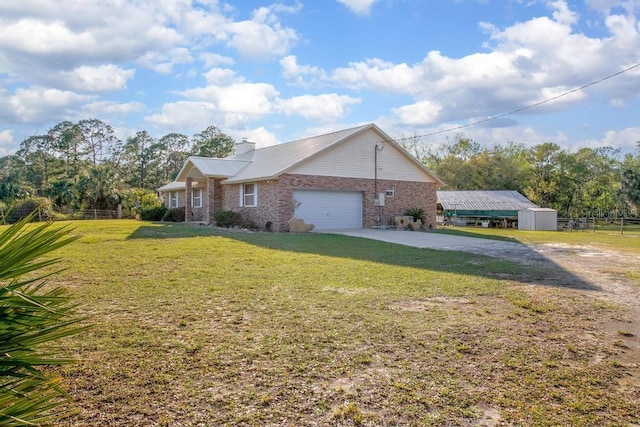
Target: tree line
(84, 165)
(591, 182)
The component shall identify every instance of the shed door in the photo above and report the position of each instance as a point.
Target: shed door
(329, 209)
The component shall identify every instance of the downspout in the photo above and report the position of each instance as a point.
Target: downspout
(375, 172)
(375, 181)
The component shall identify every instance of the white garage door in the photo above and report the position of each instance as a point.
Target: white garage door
(329, 209)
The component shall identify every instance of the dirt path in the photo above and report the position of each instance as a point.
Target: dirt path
(599, 274)
(582, 270)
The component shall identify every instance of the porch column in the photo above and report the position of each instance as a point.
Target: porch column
(187, 204)
(211, 205)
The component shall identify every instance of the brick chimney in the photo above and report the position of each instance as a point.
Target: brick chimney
(245, 146)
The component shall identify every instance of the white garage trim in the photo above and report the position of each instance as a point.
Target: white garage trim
(329, 209)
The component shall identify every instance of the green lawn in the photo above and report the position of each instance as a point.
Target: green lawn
(193, 326)
(606, 238)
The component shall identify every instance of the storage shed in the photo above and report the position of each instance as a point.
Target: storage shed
(541, 219)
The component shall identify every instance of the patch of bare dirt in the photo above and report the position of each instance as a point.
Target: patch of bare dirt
(600, 274)
(421, 305)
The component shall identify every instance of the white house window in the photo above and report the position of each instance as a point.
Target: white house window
(390, 192)
(196, 198)
(249, 196)
(173, 199)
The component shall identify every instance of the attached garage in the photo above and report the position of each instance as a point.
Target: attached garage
(329, 209)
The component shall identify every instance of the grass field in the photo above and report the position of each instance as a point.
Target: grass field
(607, 238)
(193, 326)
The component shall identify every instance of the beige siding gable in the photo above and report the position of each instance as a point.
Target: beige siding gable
(355, 158)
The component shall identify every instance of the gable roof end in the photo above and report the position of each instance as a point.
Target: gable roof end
(199, 167)
(270, 162)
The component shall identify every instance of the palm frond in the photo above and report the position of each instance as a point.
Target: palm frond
(31, 314)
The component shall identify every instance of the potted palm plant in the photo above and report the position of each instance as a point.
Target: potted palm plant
(417, 214)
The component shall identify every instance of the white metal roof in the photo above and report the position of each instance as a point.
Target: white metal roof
(172, 186)
(177, 185)
(211, 166)
(269, 162)
(540, 209)
(484, 200)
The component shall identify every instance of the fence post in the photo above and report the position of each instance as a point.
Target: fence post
(621, 225)
(594, 224)
(95, 214)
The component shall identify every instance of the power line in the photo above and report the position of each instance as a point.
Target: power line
(523, 108)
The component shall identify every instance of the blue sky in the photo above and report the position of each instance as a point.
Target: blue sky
(277, 71)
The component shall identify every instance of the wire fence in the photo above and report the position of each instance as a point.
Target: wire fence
(620, 224)
(14, 215)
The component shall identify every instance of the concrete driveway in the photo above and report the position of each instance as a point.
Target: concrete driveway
(438, 241)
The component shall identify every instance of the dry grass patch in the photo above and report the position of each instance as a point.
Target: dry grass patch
(192, 326)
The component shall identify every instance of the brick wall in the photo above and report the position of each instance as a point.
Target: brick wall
(407, 195)
(268, 201)
(212, 199)
(181, 198)
(275, 199)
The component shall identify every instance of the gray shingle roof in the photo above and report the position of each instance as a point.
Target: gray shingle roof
(484, 200)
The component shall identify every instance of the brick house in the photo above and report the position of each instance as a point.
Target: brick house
(352, 178)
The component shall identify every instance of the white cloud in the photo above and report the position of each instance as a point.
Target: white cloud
(31, 36)
(221, 77)
(94, 31)
(562, 14)
(37, 36)
(232, 105)
(624, 30)
(625, 139)
(213, 59)
(380, 75)
(261, 136)
(293, 71)
(359, 7)
(185, 115)
(7, 144)
(164, 61)
(39, 104)
(606, 6)
(201, 22)
(54, 54)
(108, 108)
(423, 113)
(526, 63)
(325, 107)
(99, 79)
(262, 37)
(252, 99)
